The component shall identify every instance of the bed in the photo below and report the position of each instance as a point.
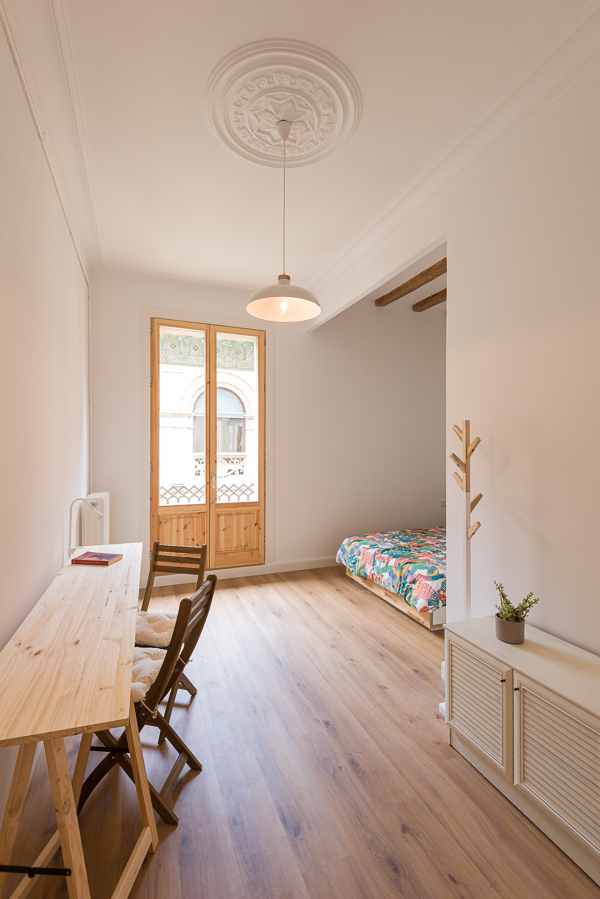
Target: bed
(406, 568)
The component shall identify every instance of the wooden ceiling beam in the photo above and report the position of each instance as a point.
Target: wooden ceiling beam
(434, 300)
(430, 274)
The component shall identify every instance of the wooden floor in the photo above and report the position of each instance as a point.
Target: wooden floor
(326, 768)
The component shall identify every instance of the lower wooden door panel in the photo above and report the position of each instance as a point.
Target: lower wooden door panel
(237, 537)
(182, 527)
(237, 534)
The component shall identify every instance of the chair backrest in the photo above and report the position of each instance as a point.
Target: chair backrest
(175, 560)
(201, 603)
(191, 618)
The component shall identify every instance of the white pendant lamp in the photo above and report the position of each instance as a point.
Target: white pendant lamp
(281, 302)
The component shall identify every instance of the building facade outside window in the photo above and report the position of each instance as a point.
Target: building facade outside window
(183, 420)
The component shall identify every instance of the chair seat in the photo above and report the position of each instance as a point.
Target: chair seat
(154, 628)
(147, 663)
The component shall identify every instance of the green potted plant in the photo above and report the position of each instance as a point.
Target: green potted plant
(510, 620)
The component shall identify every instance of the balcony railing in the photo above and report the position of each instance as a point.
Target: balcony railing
(184, 495)
(181, 494)
(228, 464)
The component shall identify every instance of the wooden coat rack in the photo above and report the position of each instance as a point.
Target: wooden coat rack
(464, 482)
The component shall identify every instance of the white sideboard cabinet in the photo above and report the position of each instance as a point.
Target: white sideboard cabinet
(527, 717)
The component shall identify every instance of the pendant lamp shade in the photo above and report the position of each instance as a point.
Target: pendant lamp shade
(282, 302)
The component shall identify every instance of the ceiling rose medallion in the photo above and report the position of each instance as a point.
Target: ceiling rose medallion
(250, 89)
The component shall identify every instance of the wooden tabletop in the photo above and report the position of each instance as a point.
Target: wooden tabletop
(67, 669)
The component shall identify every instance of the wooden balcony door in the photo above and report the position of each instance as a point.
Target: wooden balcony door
(207, 482)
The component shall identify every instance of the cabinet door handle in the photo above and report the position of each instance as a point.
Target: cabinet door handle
(516, 688)
(503, 681)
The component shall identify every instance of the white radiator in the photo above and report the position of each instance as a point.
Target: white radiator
(95, 531)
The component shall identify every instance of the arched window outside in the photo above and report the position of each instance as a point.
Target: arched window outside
(231, 427)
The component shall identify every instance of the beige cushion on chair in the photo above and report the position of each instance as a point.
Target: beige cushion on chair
(154, 628)
(146, 665)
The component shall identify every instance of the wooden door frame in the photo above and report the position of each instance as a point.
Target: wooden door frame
(155, 325)
(210, 506)
(213, 505)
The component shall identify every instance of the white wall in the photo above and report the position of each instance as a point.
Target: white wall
(523, 364)
(355, 414)
(522, 226)
(43, 369)
(359, 427)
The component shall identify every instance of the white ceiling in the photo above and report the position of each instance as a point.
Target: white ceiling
(166, 196)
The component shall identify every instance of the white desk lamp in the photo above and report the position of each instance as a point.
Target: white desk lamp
(92, 505)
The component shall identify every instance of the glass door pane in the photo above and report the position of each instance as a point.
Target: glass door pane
(182, 416)
(237, 418)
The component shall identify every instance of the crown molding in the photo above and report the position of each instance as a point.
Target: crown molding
(65, 46)
(557, 70)
(130, 274)
(22, 74)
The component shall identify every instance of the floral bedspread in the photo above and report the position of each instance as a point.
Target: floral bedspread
(409, 563)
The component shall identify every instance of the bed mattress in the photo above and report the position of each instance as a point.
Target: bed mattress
(411, 563)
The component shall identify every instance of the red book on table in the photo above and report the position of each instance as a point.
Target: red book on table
(96, 558)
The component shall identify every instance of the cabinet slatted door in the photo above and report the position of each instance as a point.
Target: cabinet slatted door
(558, 759)
(551, 696)
(477, 704)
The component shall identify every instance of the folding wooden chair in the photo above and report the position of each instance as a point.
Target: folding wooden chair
(175, 560)
(183, 681)
(169, 560)
(190, 621)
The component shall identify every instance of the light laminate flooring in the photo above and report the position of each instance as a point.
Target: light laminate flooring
(327, 774)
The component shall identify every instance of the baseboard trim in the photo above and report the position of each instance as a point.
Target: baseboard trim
(251, 570)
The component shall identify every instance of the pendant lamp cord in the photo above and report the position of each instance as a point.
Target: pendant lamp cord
(283, 207)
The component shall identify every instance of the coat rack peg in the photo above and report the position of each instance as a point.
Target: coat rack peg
(473, 446)
(459, 480)
(473, 529)
(458, 462)
(476, 500)
(457, 431)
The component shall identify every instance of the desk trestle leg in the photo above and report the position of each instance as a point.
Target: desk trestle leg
(14, 805)
(66, 796)
(139, 776)
(28, 883)
(66, 818)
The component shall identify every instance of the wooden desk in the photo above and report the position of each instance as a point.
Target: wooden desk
(67, 670)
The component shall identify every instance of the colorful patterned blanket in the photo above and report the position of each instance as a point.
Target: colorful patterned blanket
(409, 563)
